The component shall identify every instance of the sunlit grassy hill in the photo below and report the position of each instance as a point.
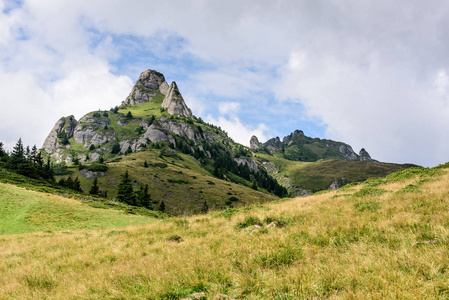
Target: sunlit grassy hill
(23, 211)
(317, 176)
(178, 180)
(385, 238)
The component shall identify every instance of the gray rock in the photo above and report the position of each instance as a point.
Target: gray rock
(292, 137)
(364, 155)
(84, 133)
(337, 183)
(252, 165)
(254, 143)
(344, 149)
(66, 124)
(182, 129)
(90, 174)
(101, 137)
(146, 88)
(174, 102)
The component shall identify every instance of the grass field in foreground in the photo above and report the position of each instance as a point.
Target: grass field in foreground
(384, 239)
(23, 211)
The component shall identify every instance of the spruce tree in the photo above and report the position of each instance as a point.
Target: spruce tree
(162, 206)
(94, 189)
(125, 192)
(145, 164)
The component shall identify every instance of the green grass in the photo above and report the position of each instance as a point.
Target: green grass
(378, 245)
(25, 211)
(317, 176)
(177, 180)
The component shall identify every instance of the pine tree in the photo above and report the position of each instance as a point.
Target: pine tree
(162, 206)
(205, 208)
(129, 115)
(145, 164)
(94, 189)
(125, 192)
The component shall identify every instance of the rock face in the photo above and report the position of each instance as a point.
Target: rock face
(252, 165)
(66, 125)
(254, 143)
(364, 155)
(146, 88)
(174, 102)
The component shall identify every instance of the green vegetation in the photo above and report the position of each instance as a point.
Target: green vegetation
(358, 243)
(25, 211)
(317, 176)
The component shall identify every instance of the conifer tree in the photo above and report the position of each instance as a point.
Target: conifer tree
(162, 206)
(125, 192)
(94, 189)
(145, 164)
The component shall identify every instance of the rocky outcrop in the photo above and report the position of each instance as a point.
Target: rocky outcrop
(174, 102)
(254, 143)
(292, 137)
(337, 183)
(345, 150)
(364, 155)
(252, 165)
(146, 88)
(274, 145)
(66, 125)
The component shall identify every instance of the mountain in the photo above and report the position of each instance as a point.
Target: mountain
(298, 147)
(189, 164)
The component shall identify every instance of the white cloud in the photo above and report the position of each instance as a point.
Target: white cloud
(374, 74)
(228, 107)
(442, 82)
(238, 131)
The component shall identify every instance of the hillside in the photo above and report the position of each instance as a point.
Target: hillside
(190, 164)
(385, 238)
(303, 178)
(24, 211)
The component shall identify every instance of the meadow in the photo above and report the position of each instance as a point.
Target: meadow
(382, 239)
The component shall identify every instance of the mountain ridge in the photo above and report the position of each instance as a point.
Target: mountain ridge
(154, 116)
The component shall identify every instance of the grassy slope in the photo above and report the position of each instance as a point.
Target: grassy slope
(316, 176)
(183, 185)
(381, 239)
(25, 211)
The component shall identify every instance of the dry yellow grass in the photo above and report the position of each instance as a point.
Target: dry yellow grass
(386, 244)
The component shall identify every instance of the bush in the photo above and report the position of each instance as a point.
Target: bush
(249, 221)
(174, 238)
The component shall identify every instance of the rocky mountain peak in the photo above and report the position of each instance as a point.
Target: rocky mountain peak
(254, 143)
(149, 85)
(151, 79)
(364, 155)
(174, 102)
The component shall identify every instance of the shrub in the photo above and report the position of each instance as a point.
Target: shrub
(174, 238)
(249, 221)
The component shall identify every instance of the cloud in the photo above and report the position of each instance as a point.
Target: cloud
(238, 131)
(228, 107)
(370, 74)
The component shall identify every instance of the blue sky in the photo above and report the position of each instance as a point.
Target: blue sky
(372, 74)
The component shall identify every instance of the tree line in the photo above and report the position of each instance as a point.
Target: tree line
(26, 161)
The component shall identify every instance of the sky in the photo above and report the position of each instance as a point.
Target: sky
(372, 74)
